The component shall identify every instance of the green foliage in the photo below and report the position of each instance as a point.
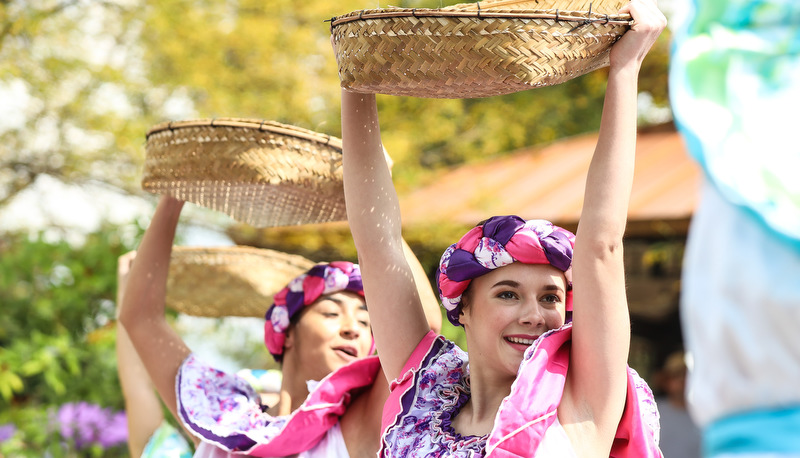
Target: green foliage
(57, 339)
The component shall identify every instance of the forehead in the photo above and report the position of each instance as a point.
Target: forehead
(344, 299)
(533, 275)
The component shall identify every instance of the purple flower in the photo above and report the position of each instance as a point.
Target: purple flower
(66, 419)
(88, 424)
(116, 431)
(7, 431)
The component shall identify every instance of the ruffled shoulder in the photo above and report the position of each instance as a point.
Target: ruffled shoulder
(432, 388)
(223, 409)
(531, 407)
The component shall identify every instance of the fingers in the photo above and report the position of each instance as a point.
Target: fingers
(646, 15)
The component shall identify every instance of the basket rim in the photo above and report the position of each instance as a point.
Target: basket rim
(247, 123)
(584, 17)
(187, 296)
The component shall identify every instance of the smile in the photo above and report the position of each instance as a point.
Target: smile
(521, 340)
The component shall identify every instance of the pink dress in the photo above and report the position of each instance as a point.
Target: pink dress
(434, 386)
(225, 411)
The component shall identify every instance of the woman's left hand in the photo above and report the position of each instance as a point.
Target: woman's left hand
(648, 23)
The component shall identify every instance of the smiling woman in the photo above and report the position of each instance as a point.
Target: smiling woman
(542, 378)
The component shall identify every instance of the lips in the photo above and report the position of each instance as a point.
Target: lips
(346, 352)
(520, 342)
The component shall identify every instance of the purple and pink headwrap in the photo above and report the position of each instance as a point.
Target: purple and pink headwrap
(498, 242)
(305, 290)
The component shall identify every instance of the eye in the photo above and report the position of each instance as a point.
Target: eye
(364, 323)
(330, 314)
(507, 295)
(550, 299)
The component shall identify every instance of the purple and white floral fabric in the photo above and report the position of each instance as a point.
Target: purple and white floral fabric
(305, 290)
(498, 242)
(434, 386)
(426, 407)
(224, 410)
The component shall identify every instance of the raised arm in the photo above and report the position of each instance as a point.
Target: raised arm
(160, 348)
(428, 299)
(373, 211)
(596, 382)
(142, 406)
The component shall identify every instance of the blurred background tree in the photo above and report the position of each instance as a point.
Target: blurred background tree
(82, 82)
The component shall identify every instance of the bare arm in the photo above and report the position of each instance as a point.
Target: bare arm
(373, 211)
(430, 303)
(142, 406)
(160, 348)
(596, 383)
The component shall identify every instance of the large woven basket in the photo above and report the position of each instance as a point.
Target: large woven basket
(229, 281)
(261, 173)
(475, 49)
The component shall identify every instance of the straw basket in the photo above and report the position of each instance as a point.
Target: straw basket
(476, 49)
(261, 173)
(229, 281)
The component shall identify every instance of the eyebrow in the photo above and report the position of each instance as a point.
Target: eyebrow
(510, 283)
(515, 284)
(340, 303)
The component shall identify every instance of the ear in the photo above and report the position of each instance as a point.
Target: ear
(464, 314)
(289, 342)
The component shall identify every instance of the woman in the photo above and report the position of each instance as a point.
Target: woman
(322, 335)
(532, 386)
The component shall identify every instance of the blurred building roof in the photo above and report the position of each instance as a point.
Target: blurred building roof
(548, 182)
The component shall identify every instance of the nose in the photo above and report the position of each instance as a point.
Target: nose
(530, 315)
(349, 329)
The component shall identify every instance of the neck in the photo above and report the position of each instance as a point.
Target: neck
(294, 390)
(487, 392)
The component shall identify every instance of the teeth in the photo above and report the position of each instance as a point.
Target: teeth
(520, 340)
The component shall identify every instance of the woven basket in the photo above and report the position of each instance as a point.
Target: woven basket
(261, 173)
(229, 281)
(475, 49)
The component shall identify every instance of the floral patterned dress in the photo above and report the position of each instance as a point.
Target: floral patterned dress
(434, 386)
(226, 413)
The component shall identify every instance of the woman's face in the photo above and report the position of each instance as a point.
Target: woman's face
(330, 333)
(507, 309)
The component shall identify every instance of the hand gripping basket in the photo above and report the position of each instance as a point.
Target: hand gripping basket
(261, 173)
(474, 49)
(229, 281)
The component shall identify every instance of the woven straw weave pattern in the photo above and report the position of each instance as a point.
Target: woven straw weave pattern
(597, 6)
(229, 281)
(261, 173)
(454, 53)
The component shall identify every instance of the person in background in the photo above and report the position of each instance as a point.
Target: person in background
(734, 85)
(332, 393)
(680, 437)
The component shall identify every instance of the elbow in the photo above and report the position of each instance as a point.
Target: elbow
(602, 249)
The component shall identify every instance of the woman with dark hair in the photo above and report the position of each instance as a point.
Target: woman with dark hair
(319, 328)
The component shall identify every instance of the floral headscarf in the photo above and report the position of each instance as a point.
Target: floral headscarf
(498, 242)
(304, 290)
